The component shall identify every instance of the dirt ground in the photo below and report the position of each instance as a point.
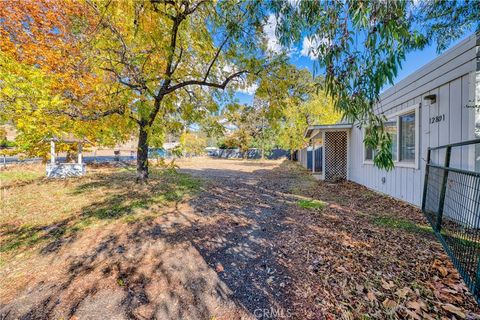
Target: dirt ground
(261, 240)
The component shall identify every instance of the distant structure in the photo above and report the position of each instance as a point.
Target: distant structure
(57, 169)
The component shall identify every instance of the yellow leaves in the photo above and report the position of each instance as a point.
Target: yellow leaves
(44, 40)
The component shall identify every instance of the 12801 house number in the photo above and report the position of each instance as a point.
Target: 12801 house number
(437, 119)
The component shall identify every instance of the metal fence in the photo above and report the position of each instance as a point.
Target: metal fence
(319, 159)
(253, 153)
(451, 203)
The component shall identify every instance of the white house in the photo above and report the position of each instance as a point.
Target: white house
(436, 105)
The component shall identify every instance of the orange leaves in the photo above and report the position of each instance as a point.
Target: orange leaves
(39, 32)
(49, 73)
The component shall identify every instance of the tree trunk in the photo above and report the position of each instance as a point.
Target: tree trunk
(142, 155)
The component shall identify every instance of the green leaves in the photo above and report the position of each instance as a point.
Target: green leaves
(363, 44)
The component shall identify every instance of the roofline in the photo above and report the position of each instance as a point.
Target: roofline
(310, 129)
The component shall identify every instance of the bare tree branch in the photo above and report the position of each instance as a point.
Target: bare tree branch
(206, 83)
(215, 58)
(91, 117)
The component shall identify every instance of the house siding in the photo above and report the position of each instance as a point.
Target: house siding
(454, 79)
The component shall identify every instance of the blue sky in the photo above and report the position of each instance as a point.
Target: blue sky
(414, 61)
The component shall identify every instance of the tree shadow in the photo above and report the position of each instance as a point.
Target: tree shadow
(212, 257)
(242, 249)
(123, 200)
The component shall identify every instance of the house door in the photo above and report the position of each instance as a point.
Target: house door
(335, 155)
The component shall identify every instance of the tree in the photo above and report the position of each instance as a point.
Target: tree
(155, 64)
(361, 45)
(296, 100)
(244, 120)
(297, 118)
(192, 143)
(172, 55)
(47, 79)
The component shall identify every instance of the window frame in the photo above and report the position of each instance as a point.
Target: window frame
(396, 117)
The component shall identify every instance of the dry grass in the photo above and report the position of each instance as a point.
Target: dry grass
(36, 211)
(259, 235)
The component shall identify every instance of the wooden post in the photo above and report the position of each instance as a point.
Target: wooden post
(80, 153)
(52, 152)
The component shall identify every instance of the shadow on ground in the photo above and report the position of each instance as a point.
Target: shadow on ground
(213, 256)
(242, 248)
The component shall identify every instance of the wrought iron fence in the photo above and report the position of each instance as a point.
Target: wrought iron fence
(451, 203)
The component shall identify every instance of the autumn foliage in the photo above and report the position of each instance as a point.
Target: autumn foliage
(49, 80)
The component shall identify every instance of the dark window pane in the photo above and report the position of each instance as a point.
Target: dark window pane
(407, 137)
(368, 153)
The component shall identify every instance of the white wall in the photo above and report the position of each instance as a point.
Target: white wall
(302, 157)
(452, 78)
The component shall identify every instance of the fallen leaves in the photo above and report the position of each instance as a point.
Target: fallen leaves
(341, 264)
(394, 273)
(371, 296)
(389, 304)
(219, 267)
(387, 285)
(438, 265)
(454, 310)
(416, 305)
(402, 293)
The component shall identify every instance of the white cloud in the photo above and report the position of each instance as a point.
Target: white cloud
(250, 89)
(273, 44)
(293, 3)
(228, 67)
(311, 45)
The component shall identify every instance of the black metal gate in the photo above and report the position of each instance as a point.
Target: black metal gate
(451, 203)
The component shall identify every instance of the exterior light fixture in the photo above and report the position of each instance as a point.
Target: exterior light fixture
(431, 97)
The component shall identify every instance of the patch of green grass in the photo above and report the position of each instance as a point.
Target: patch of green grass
(311, 204)
(401, 223)
(19, 175)
(24, 236)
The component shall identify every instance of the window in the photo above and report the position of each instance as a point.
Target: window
(391, 128)
(368, 153)
(407, 137)
(402, 129)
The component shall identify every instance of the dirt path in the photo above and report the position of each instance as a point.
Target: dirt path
(245, 249)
